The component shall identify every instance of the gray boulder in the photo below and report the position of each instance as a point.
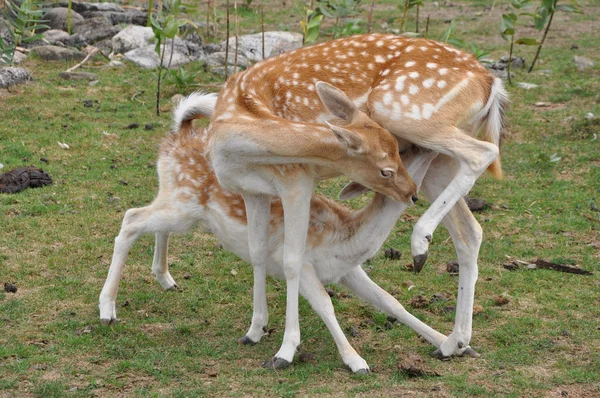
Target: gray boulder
(218, 59)
(55, 53)
(10, 76)
(129, 17)
(96, 29)
(19, 57)
(250, 46)
(132, 37)
(54, 36)
(57, 18)
(183, 53)
(82, 7)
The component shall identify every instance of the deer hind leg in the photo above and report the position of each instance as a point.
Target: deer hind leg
(473, 157)
(466, 235)
(295, 198)
(160, 267)
(358, 282)
(136, 222)
(258, 210)
(312, 289)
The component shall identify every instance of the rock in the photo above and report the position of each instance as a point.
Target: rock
(452, 267)
(502, 74)
(54, 36)
(81, 7)
(105, 46)
(10, 288)
(476, 204)
(21, 178)
(218, 59)
(55, 53)
(193, 33)
(56, 18)
(116, 64)
(184, 52)
(583, 63)
(132, 37)
(527, 86)
(276, 43)
(517, 62)
(9, 76)
(590, 116)
(96, 29)
(79, 76)
(129, 17)
(18, 57)
(542, 104)
(220, 70)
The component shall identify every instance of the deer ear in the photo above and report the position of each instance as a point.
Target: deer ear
(352, 141)
(336, 102)
(351, 191)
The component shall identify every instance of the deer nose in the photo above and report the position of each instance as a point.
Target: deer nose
(415, 198)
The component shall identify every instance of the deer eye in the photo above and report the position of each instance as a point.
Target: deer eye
(386, 173)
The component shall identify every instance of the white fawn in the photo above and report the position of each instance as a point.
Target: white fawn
(424, 92)
(339, 239)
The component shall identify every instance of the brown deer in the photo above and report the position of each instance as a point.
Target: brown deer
(339, 239)
(424, 92)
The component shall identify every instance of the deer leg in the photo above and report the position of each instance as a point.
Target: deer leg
(358, 282)
(295, 198)
(160, 268)
(133, 226)
(258, 210)
(466, 235)
(473, 157)
(312, 289)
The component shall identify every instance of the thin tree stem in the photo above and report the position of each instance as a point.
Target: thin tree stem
(417, 25)
(262, 27)
(235, 57)
(160, 68)
(370, 17)
(539, 49)
(227, 44)
(512, 41)
(427, 27)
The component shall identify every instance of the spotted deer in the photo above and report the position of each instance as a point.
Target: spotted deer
(425, 93)
(339, 239)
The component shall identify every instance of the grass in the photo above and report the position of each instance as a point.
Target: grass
(56, 244)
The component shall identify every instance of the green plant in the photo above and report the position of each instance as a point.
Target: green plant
(405, 7)
(23, 21)
(181, 79)
(508, 27)
(544, 15)
(311, 25)
(339, 9)
(164, 28)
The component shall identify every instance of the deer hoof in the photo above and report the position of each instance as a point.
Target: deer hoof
(362, 372)
(469, 352)
(276, 363)
(419, 261)
(246, 341)
(106, 321)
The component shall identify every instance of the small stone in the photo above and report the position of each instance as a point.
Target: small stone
(590, 116)
(388, 325)
(542, 104)
(132, 126)
(501, 300)
(79, 76)
(354, 332)
(10, 76)
(527, 86)
(10, 288)
(510, 266)
(574, 46)
(186, 276)
(115, 64)
(148, 127)
(392, 254)
(113, 199)
(476, 204)
(452, 267)
(125, 304)
(583, 63)
(419, 301)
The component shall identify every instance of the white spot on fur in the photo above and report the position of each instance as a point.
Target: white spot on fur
(410, 63)
(413, 89)
(382, 110)
(451, 94)
(431, 65)
(413, 75)
(379, 43)
(428, 110)
(441, 84)
(387, 98)
(443, 71)
(404, 99)
(400, 83)
(379, 59)
(385, 72)
(396, 111)
(409, 48)
(428, 83)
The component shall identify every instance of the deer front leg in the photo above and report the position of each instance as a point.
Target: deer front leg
(466, 235)
(473, 158)
(358, 282)
(258, 211)
(312, 289)
(295, 198)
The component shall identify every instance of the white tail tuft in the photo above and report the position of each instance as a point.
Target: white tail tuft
(193, 106)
